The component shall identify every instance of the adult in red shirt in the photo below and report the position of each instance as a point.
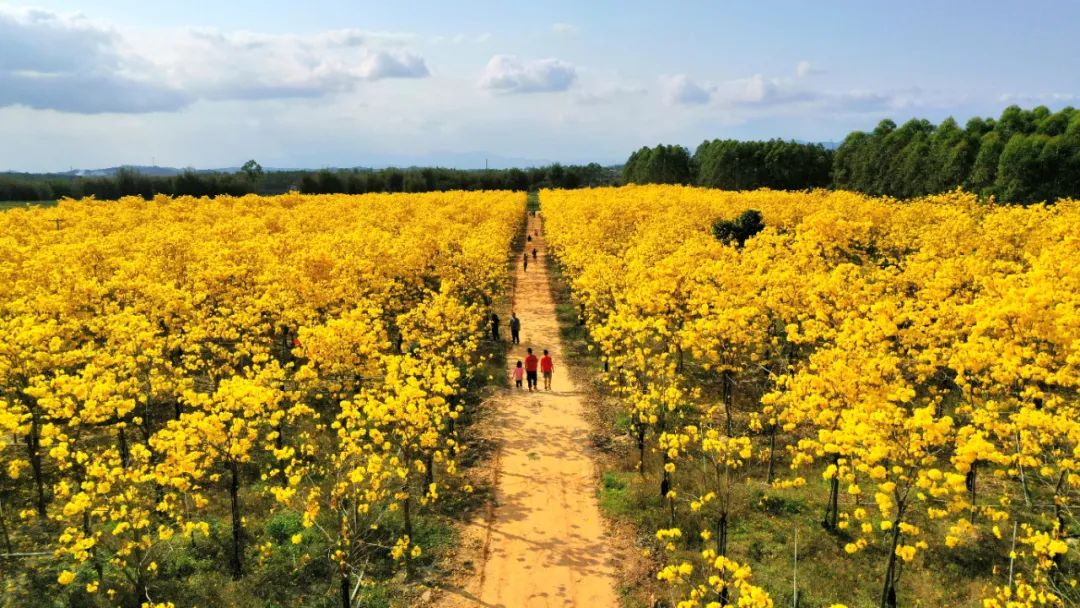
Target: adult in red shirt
(531, 363)
(547, 367)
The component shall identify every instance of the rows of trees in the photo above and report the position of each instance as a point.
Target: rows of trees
(659, 165)
(731, 164)
(245, 401)
(252, 179)
(1024, 156)
(776, 164)
(431, 179)
(884, 367)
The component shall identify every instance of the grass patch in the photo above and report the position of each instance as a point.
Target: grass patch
(614, 497)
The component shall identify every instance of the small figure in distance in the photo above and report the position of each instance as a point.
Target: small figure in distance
(519, 374)
(494, 327)
(534, 254)
(515, 328)
(529, 238)
(547, 367)
(531, 363)
(525, 264)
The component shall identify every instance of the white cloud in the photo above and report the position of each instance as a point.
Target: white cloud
(245, 65)
(389, 64)
(804, 69)
(68, 63)
(681, 90)
(71, 64)
(759, 94)
(564, 29)
(509, 74)
(758, 90)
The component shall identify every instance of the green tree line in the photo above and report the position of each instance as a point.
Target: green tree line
(734, 165)
(252, 179)
(1023, 156)
(428, 179)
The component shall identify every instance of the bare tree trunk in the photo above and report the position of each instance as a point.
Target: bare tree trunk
(33, 446)
(665, 488)
(641, 447)
(721, 535)
(729, 397)
(122, 446)
(237, 523)
(407, 512)
(140, 590)
(665, 480)
(888, 591)
(1023, 476)
(429, 473)
(346, 596)
(1012, 557)
(93, 550)
(969, 481)
(832, 511)
(772, 453)
(3, 526)
(721, 551)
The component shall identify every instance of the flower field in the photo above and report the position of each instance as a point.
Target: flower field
(206, 398)
(914, 364)
(821, 398)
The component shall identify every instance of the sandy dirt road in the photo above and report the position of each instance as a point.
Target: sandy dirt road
(543, 543)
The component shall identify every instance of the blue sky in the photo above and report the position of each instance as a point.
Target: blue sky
(337, 83)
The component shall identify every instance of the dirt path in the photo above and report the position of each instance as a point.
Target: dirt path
(543, 543)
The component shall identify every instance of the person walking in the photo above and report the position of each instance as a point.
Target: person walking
(534, 254)
(495, 327)
(515, 328)
(525, 264)
(531, 363)
(547, 367)
(519, 374)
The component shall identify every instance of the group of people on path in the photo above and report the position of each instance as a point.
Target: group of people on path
(531, 365)
(525, 256)
(525, 370)
(515, 328)
(528, 369)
